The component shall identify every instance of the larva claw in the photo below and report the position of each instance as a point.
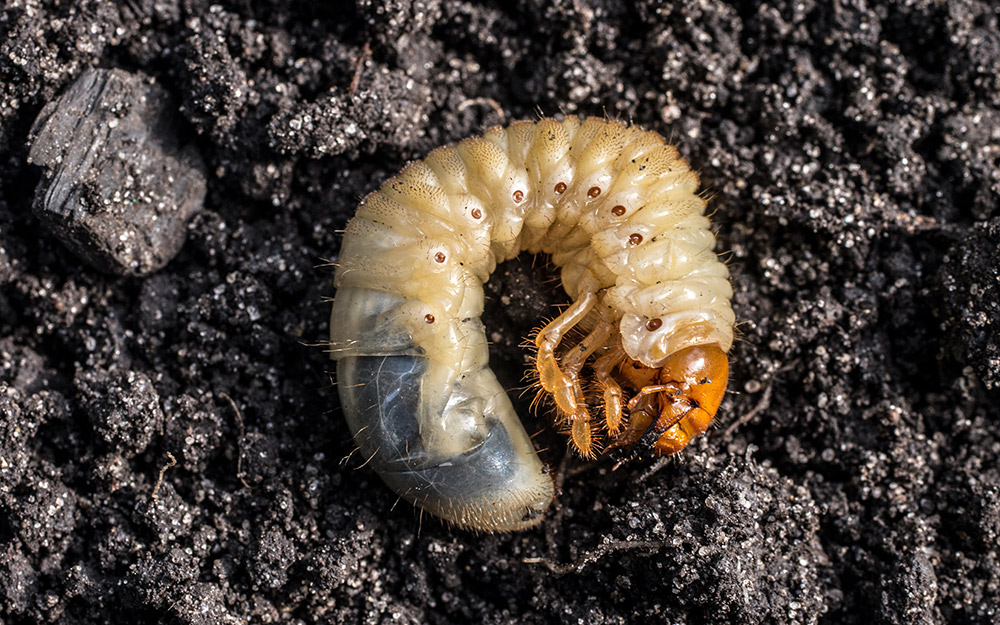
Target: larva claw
(611, 390)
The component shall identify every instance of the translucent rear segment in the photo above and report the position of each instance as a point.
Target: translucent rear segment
(468, 461)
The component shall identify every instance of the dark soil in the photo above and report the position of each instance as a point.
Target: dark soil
(171, 448)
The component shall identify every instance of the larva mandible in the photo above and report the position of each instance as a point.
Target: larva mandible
(616, 208)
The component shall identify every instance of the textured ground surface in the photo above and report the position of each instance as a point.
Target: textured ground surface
(852, 153)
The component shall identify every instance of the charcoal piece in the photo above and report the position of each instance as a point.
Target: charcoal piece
(117, 186)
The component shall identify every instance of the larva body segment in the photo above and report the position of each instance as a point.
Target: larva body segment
(617, 210)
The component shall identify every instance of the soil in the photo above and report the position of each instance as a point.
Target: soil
(171, 446)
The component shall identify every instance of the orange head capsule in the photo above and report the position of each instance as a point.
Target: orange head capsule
(675, 402)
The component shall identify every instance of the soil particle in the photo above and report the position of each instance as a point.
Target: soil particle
(970, 281)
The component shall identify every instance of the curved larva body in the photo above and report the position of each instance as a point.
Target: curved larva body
(617, 210)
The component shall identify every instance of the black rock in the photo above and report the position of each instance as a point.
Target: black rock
(118, 188)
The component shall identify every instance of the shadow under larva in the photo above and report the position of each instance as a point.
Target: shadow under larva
(617, 210)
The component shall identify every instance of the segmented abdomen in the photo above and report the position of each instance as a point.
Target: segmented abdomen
(614, 205)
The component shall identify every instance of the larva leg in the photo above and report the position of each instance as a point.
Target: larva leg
(572, 362)
(565, 389)
(550, 374)
(611, 390)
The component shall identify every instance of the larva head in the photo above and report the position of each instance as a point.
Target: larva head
(676, 401)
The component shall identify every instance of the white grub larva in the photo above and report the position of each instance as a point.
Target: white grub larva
(618, 211)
